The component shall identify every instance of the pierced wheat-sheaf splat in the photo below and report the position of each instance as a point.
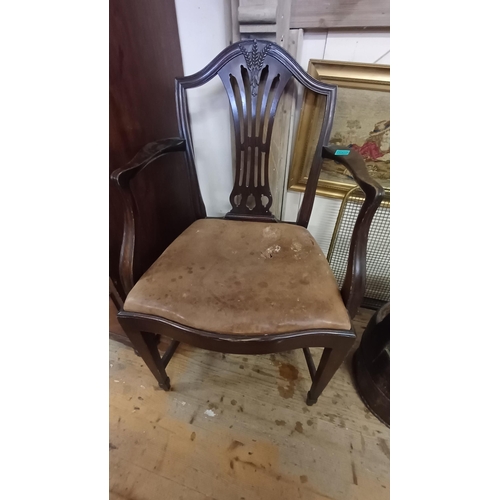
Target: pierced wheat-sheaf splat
(255, 75)
(254, 60)
(254, 83)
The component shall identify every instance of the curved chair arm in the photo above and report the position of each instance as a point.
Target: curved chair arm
(353, 289)
(122, 177)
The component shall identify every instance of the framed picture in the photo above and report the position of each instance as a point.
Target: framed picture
(362, 120)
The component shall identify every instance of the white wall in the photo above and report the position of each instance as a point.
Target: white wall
(204, 30)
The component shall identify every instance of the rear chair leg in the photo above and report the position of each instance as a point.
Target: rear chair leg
(146, 345)
(331, 359)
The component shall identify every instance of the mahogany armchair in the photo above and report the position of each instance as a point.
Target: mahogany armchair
(247, 283)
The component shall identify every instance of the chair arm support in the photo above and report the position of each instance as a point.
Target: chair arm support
(122, 177)
(353, 289)
(145, 156)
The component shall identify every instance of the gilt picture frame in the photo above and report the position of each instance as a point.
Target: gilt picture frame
(362, 120)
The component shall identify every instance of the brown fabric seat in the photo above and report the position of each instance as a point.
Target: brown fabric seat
(237, 277)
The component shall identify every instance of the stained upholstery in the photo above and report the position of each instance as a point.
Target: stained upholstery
(242, 278)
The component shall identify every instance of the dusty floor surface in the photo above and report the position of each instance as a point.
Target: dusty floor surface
(237, 427)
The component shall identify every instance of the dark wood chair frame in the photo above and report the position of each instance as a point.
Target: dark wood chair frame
(255, 74)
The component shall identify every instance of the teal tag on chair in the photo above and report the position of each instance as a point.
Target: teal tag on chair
(342, 152)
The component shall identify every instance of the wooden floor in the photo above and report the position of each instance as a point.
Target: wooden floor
(237, 427)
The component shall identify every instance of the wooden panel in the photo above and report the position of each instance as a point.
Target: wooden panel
(283, 24)
(340, 14)
(145, 58)
(281, 136)
(235, 25)
(257, 11)
(257, 28)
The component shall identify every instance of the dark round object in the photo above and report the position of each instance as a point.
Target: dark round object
(310, 401)
(371, 363)
(166, 385)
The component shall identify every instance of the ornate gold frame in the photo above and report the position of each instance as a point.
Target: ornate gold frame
(342, 74)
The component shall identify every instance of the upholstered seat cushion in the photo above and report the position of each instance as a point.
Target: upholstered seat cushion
(242, 278)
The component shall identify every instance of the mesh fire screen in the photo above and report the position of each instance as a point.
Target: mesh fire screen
(378, 252)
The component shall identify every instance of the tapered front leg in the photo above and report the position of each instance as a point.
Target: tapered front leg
(330, 362)
(146, 345)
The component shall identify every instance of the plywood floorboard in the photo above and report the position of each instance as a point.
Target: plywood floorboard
(237, 427)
